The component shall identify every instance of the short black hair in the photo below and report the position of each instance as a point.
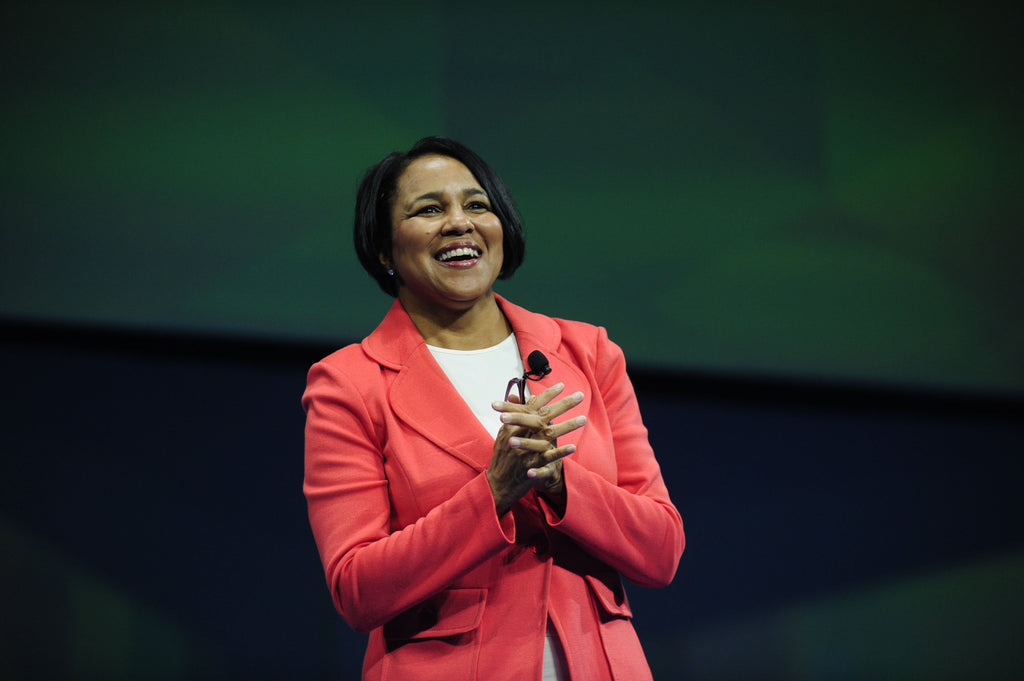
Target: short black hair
(372, 227)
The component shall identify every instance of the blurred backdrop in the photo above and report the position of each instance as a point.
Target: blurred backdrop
(802, 223)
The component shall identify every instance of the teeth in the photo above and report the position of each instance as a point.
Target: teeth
(458, 252)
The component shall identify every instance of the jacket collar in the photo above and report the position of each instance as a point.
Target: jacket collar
(423, 397)
(396, 339)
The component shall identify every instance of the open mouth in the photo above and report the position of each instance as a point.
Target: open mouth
(458, 253)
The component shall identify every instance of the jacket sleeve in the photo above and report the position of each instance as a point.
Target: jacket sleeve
(375, 573)
(630, 524)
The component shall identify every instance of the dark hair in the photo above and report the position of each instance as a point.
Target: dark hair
(377, 192)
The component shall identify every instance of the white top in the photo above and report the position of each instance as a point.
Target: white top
(481, 376)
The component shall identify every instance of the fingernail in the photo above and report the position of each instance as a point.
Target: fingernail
(531, 473)
(578, 396)
(496, 405)
(513, 442)
(570, 449)
(581, 420)
(560, 386)
(505, 418)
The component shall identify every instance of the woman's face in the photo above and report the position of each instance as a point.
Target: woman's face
(446, 242)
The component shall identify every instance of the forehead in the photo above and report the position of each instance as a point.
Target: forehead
(428, 173)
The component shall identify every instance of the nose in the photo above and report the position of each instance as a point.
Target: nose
(458, 222)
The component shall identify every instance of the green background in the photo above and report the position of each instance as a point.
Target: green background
(784, 189)
(813, 190)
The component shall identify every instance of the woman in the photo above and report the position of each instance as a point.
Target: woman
(475, 536)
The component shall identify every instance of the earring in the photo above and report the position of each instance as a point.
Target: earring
(391, 273)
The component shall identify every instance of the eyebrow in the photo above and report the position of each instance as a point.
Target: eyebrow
(437, 196)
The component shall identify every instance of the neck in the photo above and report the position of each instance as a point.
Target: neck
(481, 325)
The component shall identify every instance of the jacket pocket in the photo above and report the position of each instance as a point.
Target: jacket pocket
(451, 612)
(437, 640)
(609, 595)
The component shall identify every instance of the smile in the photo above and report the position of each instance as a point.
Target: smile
(458, 253)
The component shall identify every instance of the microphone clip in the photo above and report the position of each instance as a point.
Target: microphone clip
(539, 368)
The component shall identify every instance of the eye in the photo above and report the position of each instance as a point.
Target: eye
(478, 206)
(428, 210)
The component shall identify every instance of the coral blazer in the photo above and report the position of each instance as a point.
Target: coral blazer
(412, 546)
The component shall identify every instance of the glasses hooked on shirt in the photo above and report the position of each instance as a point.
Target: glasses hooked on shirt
(539, 368)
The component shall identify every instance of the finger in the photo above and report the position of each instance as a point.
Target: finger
(529, 444)
(511, 406)
(539, 403)
(531, 426)
(542, 421)
(557, 453)
(541, 449)
(550, 469)
(511, 402)
(557, 430)
(527, 420)
(509, 430)
(542, 473)
(546, 395)
(550, 411)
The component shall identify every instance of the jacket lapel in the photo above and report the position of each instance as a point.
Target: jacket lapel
(421, 394)
(423, 397)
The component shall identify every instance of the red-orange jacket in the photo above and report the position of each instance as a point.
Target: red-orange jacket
(412, 547)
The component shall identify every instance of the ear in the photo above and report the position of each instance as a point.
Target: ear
(389, 267)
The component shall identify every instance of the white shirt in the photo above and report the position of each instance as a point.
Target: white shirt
(481, 376)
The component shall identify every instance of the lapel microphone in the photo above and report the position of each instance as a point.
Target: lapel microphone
(539, 367)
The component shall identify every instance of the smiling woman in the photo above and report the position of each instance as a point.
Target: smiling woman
(456, 526)
(446, 251)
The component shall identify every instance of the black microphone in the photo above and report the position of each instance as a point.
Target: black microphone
(539, 367)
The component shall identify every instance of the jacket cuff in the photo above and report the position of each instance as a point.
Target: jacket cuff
(481, 493)
(570, 471)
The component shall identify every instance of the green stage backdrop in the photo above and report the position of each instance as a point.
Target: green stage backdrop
(768, 188)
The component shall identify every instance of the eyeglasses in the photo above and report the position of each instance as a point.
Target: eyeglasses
(536, 359)
(518, 384)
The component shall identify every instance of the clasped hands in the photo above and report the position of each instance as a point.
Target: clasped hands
(526, 451)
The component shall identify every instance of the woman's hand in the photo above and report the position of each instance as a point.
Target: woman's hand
(526, 452)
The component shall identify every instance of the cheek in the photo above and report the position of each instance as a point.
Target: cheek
(407, 243)
(495, 234)
(500, 244)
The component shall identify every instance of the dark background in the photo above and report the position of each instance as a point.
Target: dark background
(153, 523)
(801, 222)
